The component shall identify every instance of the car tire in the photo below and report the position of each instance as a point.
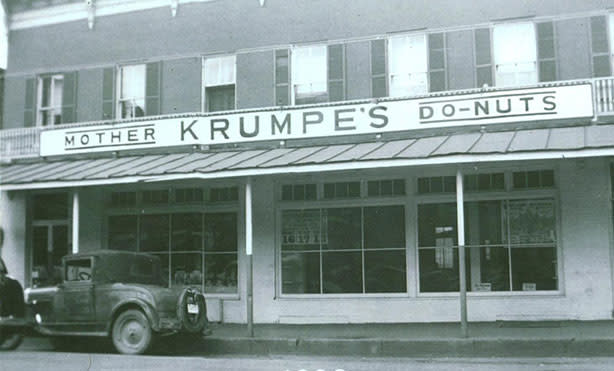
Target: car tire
(131, 333)
(192, 323)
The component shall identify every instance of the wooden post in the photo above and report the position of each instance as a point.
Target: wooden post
(460, 219)
(248, 252)
(75, 221)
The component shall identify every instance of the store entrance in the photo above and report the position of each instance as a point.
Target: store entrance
(50, 244)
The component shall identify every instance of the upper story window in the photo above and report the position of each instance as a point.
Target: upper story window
(50, 100)
(407, 65)
(515, 54)
(309, 74)
(131, 101)
(219, 78)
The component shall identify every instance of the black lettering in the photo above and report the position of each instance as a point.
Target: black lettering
(149, 133)
(117, 136)
(504, 110)
(85, 139)
(221, 129)
(426, 112)
(480, 106)
(339, 119)
(549, 100)
(184, 130)
(526, 103)
(448, 110)
(100, 135)
(280, 128)
(318, 120)
(374, 115)
(69, 141)
(132, 135)
(253, 133)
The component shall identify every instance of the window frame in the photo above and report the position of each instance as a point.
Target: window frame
(293, 70)
(203, 79)
(495, 64)
(362, 202)
(507, 194)
(426, 72)
(51, 107)
(118, 92)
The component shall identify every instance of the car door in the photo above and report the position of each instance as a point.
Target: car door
(75, 301)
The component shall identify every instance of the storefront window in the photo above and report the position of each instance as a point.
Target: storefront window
(343, 250)
(508, 244)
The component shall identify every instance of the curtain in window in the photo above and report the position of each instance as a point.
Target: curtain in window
(309, 75)
(220, 71)
(515, 54)
(408, 65)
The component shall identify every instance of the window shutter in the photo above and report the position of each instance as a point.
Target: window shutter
(483, 57)
(600, 49)
(378, 68)
(108, 89)
(29, 113)
(336, 73)
(282, 77)
(437, 62)
(69, 98)
(152, 89)
(546, 54)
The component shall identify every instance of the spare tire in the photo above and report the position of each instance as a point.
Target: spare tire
(192, 310)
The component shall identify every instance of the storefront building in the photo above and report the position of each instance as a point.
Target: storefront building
(308, 160)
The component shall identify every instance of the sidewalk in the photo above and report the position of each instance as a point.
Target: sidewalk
(486, 339)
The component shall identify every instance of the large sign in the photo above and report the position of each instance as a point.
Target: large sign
(544, 103)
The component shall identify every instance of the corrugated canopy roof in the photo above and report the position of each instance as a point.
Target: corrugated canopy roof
(547, 143)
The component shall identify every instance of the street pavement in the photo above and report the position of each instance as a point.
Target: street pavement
(44, 360)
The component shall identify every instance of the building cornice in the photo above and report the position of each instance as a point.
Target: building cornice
(87, 10)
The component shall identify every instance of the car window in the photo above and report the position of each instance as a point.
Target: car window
(79, 270)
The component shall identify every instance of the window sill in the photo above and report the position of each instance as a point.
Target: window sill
(344, 296)
(493, 294)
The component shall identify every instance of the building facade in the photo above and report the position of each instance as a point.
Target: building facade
(303, 161)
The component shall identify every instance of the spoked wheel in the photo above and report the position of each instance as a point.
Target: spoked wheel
(131, 332)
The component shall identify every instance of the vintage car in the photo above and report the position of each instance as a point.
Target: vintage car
(117, 294)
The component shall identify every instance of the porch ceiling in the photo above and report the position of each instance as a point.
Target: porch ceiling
(550, 143)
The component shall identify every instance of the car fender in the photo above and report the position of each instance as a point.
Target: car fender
(134, 303)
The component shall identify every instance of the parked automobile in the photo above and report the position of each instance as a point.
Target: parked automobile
(12, 310)
(117, 294)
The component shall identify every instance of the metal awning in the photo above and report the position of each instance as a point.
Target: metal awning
(528, 144)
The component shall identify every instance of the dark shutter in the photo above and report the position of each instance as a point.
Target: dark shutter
(378, 68)
(282, 77)
(546, 54)
(437, 62)
(69, 98)
(600, 48)
(108, 89)
(29, 112)
(483, 57)
(152, 89)
(336, 73)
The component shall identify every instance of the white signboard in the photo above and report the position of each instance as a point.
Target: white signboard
(545, 103)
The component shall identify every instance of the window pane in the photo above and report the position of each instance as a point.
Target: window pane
(378, 57)
(534, 268)
(484, 76)
(514, 43)
(300, 230)
(220, 98)
(439, 269)
(384, 227)
(438, 81)
(342, 272)
(483, 223)
(132, 82)
(281, 66)
(220, 71)
(378, 87)
(482, 46)
(46, 98)
(186, 269)
(437, 224)
(494, 267)
(58, 86)
(186, 232)
(436, 59)
(407, 54)
(154, 233)
(50, 206)
(281, 93)
(385, 271)
(309, 67)
(221, 232)
(300, 273)
(79, 270)
(343, 228)
(123, 232)
(531, 222)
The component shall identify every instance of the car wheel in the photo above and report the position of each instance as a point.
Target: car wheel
(131, 332)
(192, 311)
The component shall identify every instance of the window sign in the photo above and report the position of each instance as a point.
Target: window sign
(515, 54)
(408, 65)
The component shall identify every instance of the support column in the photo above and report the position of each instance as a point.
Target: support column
(460, 221)
(75, 221)
(248, 252)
